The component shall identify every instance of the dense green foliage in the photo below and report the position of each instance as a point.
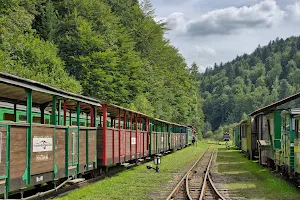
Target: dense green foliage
(250, 81)
(23, 53)
(109, 49)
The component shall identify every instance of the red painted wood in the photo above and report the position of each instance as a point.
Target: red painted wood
(148, 133)
(130, 134)
(136, 136)
(142, 135)
(120, 135)
(104, 108)
(124, 127)
(92, 117)
(65, 112)
(113, 146)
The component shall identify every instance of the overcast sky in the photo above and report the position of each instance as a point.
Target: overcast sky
(209, 31)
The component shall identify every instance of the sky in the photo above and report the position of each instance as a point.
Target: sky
(214, 31)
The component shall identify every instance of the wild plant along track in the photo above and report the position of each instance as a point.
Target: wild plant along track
(197, 183)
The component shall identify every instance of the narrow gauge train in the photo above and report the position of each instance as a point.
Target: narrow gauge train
(272, 136)
(226, 136)
(49, 136)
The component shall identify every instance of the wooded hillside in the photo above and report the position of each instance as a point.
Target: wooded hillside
(108, 49)
(248, 82)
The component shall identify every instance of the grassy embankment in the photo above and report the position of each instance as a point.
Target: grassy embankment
(251, 180)
(140, 182)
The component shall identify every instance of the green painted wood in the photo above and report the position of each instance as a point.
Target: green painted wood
(78, 135)
(27, 172)
(277, 129)
(55, 170)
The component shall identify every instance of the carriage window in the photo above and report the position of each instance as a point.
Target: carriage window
(293, 124)
(243, 131)
(287, 122)
(23, 118)
(82, 124)
(36, 120)
(47, 121)
(283, 124)
(8, 117)
(74, 123)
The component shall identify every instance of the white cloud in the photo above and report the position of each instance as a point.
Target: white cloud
(227, 20)
(247, 23)
(231, 19)
(175, 21)
(205, 50)
(293, 11)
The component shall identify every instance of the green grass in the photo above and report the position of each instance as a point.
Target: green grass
(139, 182)
(251, 180)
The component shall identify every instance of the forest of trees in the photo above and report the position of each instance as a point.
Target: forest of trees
(114, 50)
(108, 49)
(236, 88)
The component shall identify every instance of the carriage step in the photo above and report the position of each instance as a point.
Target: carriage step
(77, 180)
(127, 165)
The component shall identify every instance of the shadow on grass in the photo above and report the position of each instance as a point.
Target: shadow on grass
(250, 180)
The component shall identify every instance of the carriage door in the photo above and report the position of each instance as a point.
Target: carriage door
(73, 146)
(4, 158)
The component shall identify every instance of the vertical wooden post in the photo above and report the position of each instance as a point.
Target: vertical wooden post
(96, 134)
(119, 127)
(150, 134)
(27, 173)
(65, 112)
(112, 122)
(130, 124)
(42, 109)
(15, 112)
(92, 117)
(59, 112)
(78, 135)
(104, 108)
(143, 134)
(70, 117)
(53, 114)
(87, 119)
(136, 135)
(95, 116)
(125, 125)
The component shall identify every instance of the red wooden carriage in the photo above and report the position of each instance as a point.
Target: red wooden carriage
(123, 135)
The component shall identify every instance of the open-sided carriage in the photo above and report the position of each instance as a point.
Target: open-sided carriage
(48, 135)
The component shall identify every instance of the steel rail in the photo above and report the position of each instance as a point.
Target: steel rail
(220, 196)
(185, 177)
(207, 179)
(187, 186)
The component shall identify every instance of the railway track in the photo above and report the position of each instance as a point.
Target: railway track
(197, 183)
